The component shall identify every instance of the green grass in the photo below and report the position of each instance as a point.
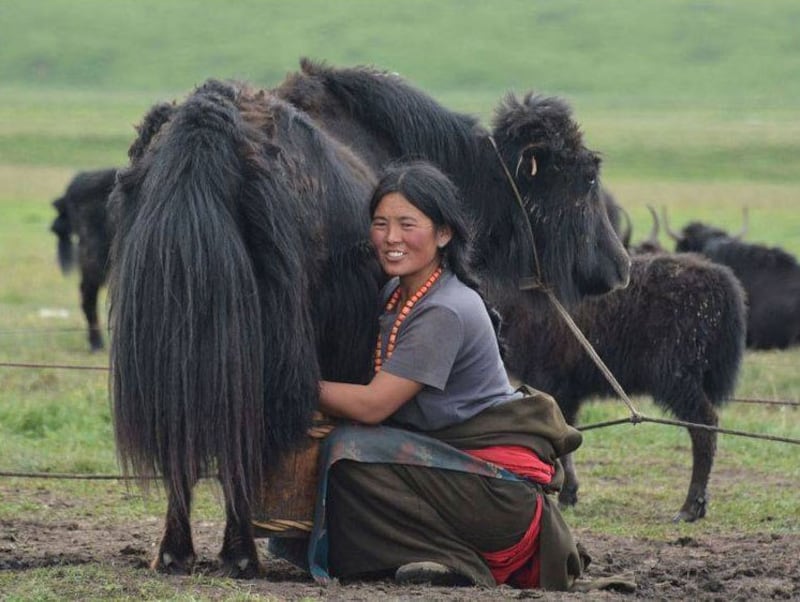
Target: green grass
(669, 53)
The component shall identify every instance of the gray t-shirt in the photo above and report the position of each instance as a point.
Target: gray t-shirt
(447, 343)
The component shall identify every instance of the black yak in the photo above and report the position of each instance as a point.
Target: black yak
(770, 277)
(675, 333)
(240, 276)
(82, 213)
(383, 119)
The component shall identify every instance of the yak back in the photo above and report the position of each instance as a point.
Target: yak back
(676, 332)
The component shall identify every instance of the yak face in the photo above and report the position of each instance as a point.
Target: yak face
(578, 251)
(695, 237)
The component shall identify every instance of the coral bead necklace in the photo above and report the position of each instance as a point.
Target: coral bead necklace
(401, 316)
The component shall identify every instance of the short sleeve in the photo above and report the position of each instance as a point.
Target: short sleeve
(427, 345)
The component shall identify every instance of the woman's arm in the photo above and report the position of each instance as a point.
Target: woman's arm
(370, 404)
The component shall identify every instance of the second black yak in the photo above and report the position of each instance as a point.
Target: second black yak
(770, 277)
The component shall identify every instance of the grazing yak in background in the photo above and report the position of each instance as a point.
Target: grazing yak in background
(82, 213)
(694, 358)
(770, 277)
(241, 273)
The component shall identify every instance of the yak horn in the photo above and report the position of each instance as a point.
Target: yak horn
(626, 234)
(673, 235)
(653, 238)
(745, 224)
(533, 165)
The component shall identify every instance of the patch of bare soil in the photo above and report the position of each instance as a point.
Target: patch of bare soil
(706, 568)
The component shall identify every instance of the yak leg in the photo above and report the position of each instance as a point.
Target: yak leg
(239, 555)
(568, 496)
(176, 551)
(89, 290)
(704, 445)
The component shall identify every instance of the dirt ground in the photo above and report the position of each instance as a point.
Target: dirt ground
(707, 568)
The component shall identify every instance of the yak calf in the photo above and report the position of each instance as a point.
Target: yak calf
(676, 333)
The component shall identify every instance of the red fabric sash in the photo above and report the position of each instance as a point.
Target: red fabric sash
(518, 565)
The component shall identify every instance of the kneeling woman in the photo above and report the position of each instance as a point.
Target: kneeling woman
(452, 488)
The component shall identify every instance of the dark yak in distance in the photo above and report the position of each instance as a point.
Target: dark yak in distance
(241, 263)
(240, 277)
(82, 212)
(384, 119)
(770, 277)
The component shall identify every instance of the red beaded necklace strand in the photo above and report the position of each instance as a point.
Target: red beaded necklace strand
(401, 316)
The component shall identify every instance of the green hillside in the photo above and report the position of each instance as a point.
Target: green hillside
(693, 104)
(719, 54)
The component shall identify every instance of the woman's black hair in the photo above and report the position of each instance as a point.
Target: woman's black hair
(432, 192)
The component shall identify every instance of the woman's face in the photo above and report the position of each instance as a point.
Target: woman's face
(406, 240)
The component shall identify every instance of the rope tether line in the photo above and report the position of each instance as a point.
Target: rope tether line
(776, 402)
(692, 425)
(56, 366)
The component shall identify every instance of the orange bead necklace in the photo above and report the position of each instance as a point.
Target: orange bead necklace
(401, 316)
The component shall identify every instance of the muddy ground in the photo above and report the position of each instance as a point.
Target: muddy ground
(703, 568)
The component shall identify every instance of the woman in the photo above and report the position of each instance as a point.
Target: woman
(426, 500)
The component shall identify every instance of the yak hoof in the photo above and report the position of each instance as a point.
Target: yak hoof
(169, 564)
(244, 568)
(568, 496)
(692, 510)
(95, 342)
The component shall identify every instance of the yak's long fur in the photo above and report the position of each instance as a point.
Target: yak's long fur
(384, 118)
(240, 278)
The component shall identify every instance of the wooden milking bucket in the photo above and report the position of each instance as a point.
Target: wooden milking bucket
(286, 506)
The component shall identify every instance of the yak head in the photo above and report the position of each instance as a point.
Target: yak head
(695, 237)
(557, 177)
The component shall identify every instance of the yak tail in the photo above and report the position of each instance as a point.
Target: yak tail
(729, 347)
(62, 228)
(187, 353)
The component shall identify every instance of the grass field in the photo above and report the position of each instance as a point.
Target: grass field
(694, 106)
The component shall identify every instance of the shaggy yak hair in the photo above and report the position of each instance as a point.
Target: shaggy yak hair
(82, 213)
(577, 253)
(675, 333)
(383, 119)
(240, 277)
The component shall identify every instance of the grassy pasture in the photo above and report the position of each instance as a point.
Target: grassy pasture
(694, 106)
